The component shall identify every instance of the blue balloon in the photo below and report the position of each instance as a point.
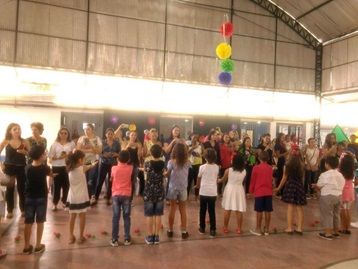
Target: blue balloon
(225, 78)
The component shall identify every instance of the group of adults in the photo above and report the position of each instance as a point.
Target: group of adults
(104, 152)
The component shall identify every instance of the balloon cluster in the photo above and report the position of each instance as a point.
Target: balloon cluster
(223, 51)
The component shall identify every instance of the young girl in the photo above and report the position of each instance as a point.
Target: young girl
(78, 199)
(178, 168)
(293, 193)
(234, 193)
(347, 169)
(207, 183)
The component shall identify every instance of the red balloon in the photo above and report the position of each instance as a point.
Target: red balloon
(151, 120)
(227, 29)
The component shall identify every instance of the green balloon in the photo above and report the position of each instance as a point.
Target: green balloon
(227, 65)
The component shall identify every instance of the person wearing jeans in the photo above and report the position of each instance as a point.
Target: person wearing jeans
(121, 175)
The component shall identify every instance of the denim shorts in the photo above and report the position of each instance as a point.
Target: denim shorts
(35, 208)
(153, 209)
(178, 195)
(263, 204)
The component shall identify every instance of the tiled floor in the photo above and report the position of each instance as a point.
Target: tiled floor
(225, 251)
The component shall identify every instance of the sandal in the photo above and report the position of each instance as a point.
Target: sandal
(2, 253)
(72, 240)
(238, 231)
(81, 240)
(298, 232)
(225, 230)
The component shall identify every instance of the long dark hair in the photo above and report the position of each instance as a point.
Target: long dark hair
(242, 146)
(346, 167)
(295, 166)
(328, 141)
(73, 159)
(8, 135)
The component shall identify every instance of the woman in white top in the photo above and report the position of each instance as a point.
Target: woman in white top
(58, 154)
(312, 160)
(91, 145)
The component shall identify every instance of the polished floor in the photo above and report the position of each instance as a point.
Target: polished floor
(198, 251)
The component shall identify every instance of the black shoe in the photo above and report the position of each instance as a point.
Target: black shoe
(40, 249)
(184, 235)
(27, 251)
(324, 236)
(212, 233)
(201, 231)
(170, 233)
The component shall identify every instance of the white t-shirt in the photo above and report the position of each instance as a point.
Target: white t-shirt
(96, 142)
(57, 148)
(209, 176)
(332, 183)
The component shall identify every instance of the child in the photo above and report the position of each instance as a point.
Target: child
(234, 198)
(178, 169)
(347, 169)
(294, 193)
(121, 176)
(3, 181)
(207, 183)
(36, 197)
(78, 199)
(331, 184)
(153, 194)
(261, 188)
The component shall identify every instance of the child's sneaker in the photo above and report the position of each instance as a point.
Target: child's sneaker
(184, 234)
(324, 236)
(266, 231)
(127, 241)
(212, 234)
(40, 249)
(149, 239)
(256, 232)
(114, 243)
(336, 236)
(27, 251)
(170, 233)
(201, 231)
(156, 239)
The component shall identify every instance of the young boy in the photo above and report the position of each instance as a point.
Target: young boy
(36, 197)
(153, 194)
(331, 184)
(121, 197)
(207, 182)
(261, 188)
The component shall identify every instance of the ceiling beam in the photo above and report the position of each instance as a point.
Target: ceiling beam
(313, 9)
(289, 21)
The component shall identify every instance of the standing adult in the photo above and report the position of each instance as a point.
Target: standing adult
(312, 159)
(16, 151)
(212, 143)
(196, 158)
(134, 148)
(153, 140)
(91, 145)
(265, 145)
(281, 153)
(37, 128)
(249, 156)
(108, 158)
(329, 149)
(58, 154)
(226, 152)
(234, 139)
(169, 144)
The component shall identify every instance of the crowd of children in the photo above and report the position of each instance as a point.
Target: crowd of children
(249, 174)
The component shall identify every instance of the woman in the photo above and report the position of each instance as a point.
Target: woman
(312, 159)
(234, 139)
(265, 145)
(58, 154)
(169, 144)
(134, 148)
(226, 152)
(250, 160)
(153, 140)
(91, 145)
(108, 158)
(212, 143)
(37, 129)
(329, 149)
(281, 154)
(195, 156)
(16, 151)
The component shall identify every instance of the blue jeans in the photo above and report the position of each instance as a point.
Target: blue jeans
(118, 203)
(91, 177)
(310, 178)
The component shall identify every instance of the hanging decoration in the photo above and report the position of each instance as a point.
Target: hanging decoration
(234, 126)
(201, 123)
(151, 120)
(223, 51)
(114, 119)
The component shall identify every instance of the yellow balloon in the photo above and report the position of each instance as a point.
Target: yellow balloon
(223, 51)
